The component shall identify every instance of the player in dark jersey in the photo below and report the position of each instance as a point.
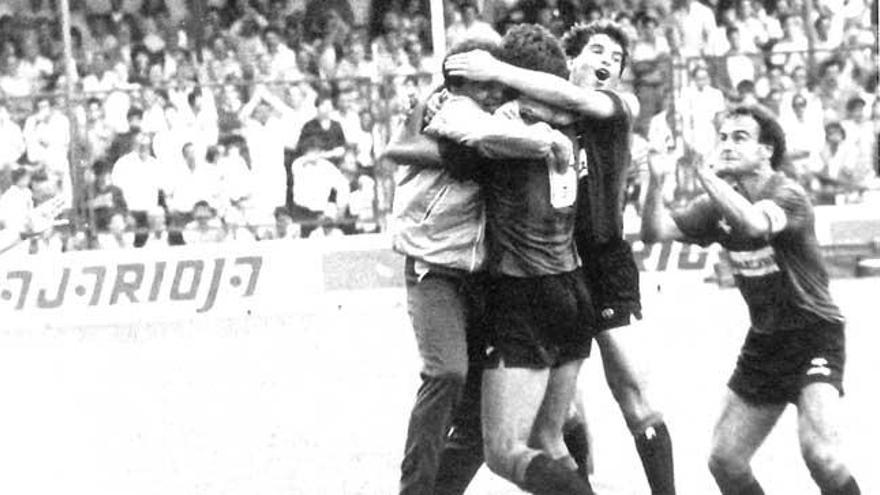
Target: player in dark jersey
(540, 311)
(794, 351)
(598, 52)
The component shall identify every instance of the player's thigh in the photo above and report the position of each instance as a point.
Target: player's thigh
(819, 416)
(510, 401)
(742, 427)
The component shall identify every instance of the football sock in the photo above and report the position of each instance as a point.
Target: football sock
(575, 436)
(848, 488)
(655, 449)
(544, 476)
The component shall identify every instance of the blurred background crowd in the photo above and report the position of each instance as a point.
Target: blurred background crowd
(188, 121)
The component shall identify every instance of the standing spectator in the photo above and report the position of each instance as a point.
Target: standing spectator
(11, 144)
(354, 63)
(835, 176)
(804, 137)
(123, 142)
(205, 227)
(266, 132)
(800, 87)
(13, 83)
(118, 234)
(98, 134)
(833, 90)
(47, 138)
(105, 199)
(471, 26)
(700, 103)
(694, 24)
(860, 135)
(140, 176)
(282, 60)
(738, 64)
(326, 131)
(34, 67)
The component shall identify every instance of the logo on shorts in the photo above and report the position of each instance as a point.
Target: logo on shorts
(819, 366)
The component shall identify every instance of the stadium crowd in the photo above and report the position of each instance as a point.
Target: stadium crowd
(261, 119)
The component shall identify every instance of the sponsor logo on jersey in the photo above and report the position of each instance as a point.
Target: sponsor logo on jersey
(819, 366)
(757, 263)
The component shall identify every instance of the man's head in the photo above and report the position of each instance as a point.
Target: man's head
(488, 94)
(324, 105)
(799, 105)
(598, 51)
(748, 140)
(203, 213)
(855, 109)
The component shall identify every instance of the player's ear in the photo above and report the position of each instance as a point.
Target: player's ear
(766, 151)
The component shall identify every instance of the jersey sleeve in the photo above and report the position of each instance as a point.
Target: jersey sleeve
(699, 221)
(787, 209)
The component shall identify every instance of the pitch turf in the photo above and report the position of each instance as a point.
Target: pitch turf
(316, 403)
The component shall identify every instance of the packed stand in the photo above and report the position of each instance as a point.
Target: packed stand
(254, 120)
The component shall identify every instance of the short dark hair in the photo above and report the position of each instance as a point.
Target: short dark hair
(769, 131)
(579, 35)
(466, 46)
(533, 47)
(134, 112)
(835, 126)
(17, 174)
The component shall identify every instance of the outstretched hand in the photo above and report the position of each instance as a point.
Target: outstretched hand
(476, 65)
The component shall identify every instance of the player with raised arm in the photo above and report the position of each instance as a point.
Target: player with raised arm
(598, 54)
(794, 351)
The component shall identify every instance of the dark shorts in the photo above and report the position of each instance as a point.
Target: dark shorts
(539, 322)
(612, 277)
(774, 368)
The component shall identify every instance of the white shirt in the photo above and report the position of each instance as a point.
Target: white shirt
(314, 179)
(140, 181)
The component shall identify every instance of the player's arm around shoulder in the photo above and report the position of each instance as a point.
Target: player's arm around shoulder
(411, 146)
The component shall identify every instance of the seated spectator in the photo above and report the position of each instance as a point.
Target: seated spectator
(738, 65)
(694, 24)
(319, 188)
(323, 131)
(285, 227)
(156, 232)
(205, 227)
(17, 202)
(47, 139)
(860, 134)
(105, 199)
(118, 234)
(141, 177)
(33, 66)
(192, 180)
(836, 180)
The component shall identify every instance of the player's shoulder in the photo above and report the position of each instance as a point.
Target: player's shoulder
(782, 186)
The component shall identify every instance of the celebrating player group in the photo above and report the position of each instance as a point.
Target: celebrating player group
(509, 214)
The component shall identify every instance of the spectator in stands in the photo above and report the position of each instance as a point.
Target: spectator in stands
(98, 134)
(282, 60)
(700, 103)
(285, 227)
(205, 227)
(694, 24)
(323, 130)
(189, 182)
(755, 33)
(833, 91)
(320, 191)
(105, 200)
(13, 83)
(804, 137)
(118, 235)
(47, 139)
(267, 134)
(470, 27)
(665, 145)
(860, 135)
(33, 66)
(800, 87)
(157, 231)
(738, 64)
(11, 143)
(354, 63)
(141, 177)
(17, 203)
(123, 142)
(790, 51)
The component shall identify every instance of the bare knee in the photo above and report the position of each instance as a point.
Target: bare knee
(824, 463)
(500, 457)
(727, 467)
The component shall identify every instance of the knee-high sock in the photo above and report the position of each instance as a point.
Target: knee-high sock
(426, 434)
(544, 476)
(655, 449)
(575, 436)
(848, 488)
(752, 487)
(459, 463)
